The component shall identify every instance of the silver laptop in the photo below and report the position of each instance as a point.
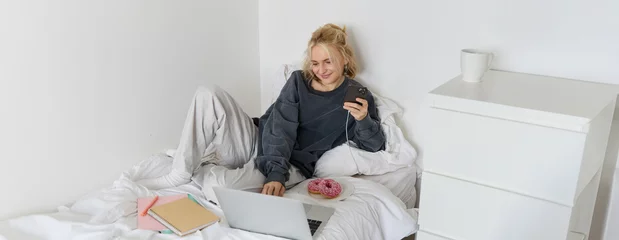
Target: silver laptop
(277, 216)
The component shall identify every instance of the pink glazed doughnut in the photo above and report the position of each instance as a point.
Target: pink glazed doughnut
(315, 185)
(330, 188)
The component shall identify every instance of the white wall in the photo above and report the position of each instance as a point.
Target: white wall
(89, 88)
(408, 48)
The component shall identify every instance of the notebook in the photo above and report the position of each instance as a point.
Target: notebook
(149, 223)
(183, 216)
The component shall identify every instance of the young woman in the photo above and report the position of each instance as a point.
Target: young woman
(221, 145)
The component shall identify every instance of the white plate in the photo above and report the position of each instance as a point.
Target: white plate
(347, 190)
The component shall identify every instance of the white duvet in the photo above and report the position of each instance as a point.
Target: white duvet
(372, 212)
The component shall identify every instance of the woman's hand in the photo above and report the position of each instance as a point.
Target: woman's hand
(359, 112)
(274, 188)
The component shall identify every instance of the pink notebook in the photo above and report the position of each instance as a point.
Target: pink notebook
(149, 223)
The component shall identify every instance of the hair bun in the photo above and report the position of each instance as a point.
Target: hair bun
(336, 27)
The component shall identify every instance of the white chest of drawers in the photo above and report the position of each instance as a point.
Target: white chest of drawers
(516, 156)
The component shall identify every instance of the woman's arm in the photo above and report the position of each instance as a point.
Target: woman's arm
(278, 132)
(368, 134)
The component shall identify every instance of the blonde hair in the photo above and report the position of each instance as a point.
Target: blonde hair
(335, 36)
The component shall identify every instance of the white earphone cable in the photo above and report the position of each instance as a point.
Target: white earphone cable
(348, 143)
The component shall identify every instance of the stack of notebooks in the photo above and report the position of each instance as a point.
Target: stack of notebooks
(179, 213)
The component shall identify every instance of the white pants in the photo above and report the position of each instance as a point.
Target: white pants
(218, 133)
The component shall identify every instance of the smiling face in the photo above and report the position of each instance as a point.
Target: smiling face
(328, 68)
(327, 53)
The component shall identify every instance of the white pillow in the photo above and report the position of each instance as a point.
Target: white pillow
(282, 75)
(345, 161)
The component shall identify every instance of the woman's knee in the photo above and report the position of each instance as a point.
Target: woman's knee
(207, 91)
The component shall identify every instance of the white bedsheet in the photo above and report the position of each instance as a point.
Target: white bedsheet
(372, 212)
(401, 182)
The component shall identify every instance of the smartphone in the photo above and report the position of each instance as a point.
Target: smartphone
(354, 92)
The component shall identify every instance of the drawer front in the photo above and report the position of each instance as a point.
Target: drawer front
(422, 235)
(462, 210)
(529, 159)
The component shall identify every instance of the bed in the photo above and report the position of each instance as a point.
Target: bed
(381, 207)
(372, 212)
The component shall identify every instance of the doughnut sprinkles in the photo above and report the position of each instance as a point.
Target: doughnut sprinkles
(328, 188)
(314, 186)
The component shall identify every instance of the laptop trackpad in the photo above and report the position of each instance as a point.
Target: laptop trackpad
(307, 208)
(318, 212)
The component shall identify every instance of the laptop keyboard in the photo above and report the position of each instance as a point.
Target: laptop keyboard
(313, 224)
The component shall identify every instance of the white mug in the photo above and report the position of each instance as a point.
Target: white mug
(474, 64)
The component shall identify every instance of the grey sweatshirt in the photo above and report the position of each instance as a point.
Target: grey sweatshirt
(304, 123)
